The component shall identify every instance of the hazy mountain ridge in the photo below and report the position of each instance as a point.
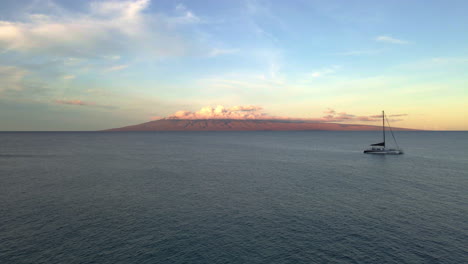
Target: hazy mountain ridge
(243, 125)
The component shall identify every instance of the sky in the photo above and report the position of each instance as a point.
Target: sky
(91, 65)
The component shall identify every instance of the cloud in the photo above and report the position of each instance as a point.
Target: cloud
(255, 113)
(74, 34)
(357, 52)
(98, 92)
(259, 14)
(116, 68)
(436, 63)
(245, 108)
(81, 103)
(156, 117)
(217, 52)
(325, 71)
(69, 77)
(12, 78)
(330, 111)
(397, 115)
(220, 112)
(185, 16)
(332, 116)
(16, 83)
(449, 60)
(389, 39)
(125, 10)
(108, 28)
(112, 57)
(72, 102)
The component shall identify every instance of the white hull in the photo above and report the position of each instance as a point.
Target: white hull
(384, 151)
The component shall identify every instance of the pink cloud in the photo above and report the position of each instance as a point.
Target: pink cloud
(245, 108)
(368, 118)
(156, 117)
(221, 112)
(333, 116)
(72, 102)
(81, 103)
(255, 112)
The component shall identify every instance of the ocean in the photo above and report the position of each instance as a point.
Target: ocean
(232, 197)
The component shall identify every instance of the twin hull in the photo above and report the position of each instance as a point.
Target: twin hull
(384, 151)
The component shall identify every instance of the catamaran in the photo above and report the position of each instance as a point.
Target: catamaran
(379, 148)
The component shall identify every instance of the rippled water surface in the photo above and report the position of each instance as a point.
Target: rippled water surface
(232, 197)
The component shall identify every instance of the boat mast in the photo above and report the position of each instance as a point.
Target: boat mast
(383, 127)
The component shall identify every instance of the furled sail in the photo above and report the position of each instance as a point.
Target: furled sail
(379, 144)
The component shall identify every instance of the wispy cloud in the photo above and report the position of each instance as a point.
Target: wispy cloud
(449, 60)
(12, 78)
(69, 77)
(112, 57)
(217, 52)
(127, 10)
(245, 108)
(398, 115)
(389, 39)
(244, 83)
(357, 52)
(325, 71)
(17, 83)
(436, 63)
(333, 116)
(116, 68)
(98, 92)
(72, 102)
(77, 102)
(185, 16)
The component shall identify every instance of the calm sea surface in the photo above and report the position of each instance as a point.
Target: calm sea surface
(232, 197)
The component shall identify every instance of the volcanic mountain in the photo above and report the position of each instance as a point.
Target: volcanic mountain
(243, 125)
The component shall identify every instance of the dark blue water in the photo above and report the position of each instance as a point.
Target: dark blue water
(232, 197)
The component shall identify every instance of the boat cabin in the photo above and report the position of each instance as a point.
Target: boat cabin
(377, 148)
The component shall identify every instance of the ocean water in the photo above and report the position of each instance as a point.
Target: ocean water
(232, 197)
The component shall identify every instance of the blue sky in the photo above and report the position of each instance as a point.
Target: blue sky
(87, 65)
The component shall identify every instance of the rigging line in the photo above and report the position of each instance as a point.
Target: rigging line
(392, 132)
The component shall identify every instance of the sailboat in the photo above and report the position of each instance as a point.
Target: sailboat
(379, 148)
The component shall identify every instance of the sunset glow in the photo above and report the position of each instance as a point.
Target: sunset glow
(92, 65)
